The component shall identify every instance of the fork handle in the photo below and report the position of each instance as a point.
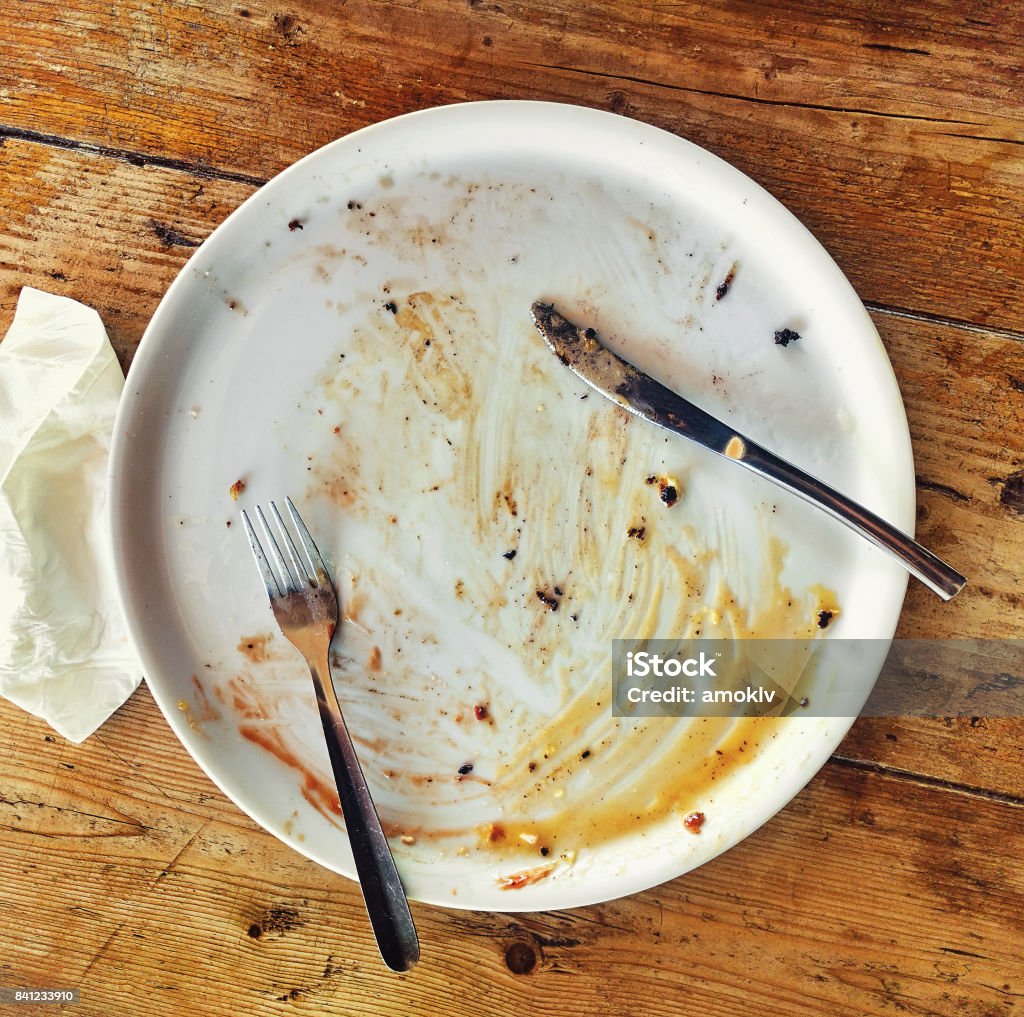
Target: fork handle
(383, 894)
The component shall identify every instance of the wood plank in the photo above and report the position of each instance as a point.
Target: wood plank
(840, 905)
(981, 753)
(101, 230)
(964, 394)
(114, 235)
(895, 134)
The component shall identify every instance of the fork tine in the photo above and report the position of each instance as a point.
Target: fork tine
(316, 563)
(291, 582)
(298, 566)
(269, 579)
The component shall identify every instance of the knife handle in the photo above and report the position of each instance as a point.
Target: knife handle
(939, 577)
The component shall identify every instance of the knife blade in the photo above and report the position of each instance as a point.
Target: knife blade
(581, 350)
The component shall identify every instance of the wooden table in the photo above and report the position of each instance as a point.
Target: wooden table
(893, 883)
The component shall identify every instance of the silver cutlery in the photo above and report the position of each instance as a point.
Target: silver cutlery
(581, 351)
(305, 605)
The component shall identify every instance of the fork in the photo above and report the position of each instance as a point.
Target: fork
(305, 605)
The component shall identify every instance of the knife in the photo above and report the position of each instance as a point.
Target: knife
(580, 349)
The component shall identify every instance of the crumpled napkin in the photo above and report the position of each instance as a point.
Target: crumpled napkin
(65, 654)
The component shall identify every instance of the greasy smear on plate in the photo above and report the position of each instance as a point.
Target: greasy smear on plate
(460, 439)
(517, 880)
(201, 709)
(270, 734)
(256, 648)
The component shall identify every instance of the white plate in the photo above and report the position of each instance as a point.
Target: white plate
(292, 353)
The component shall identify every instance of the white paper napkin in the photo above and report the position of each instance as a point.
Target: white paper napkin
(65, 654)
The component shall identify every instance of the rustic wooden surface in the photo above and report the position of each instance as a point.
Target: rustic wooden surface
(893, 883)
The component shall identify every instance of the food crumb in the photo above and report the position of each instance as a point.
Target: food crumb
(547, 600)
(693, 821)
(723, 286)
(236, 489)
(391, 306)
(510, 554)
(465, 768)
(480, 711)
(669, 489)
(636, 532)
(825, 618)
(374, 661)
(255, 648)
(295, 224)
(408, 839)
(785, 336)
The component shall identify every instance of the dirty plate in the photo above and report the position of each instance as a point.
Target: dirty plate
(357, 335)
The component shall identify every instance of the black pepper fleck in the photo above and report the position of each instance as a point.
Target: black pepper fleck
(785, 336)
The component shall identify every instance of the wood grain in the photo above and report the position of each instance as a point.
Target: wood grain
(878, 130)
(161, 897)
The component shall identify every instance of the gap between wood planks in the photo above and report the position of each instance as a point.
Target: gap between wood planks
(199, 169)
(760, 100)
(937, 319)
(790, 104)
(926, 781)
